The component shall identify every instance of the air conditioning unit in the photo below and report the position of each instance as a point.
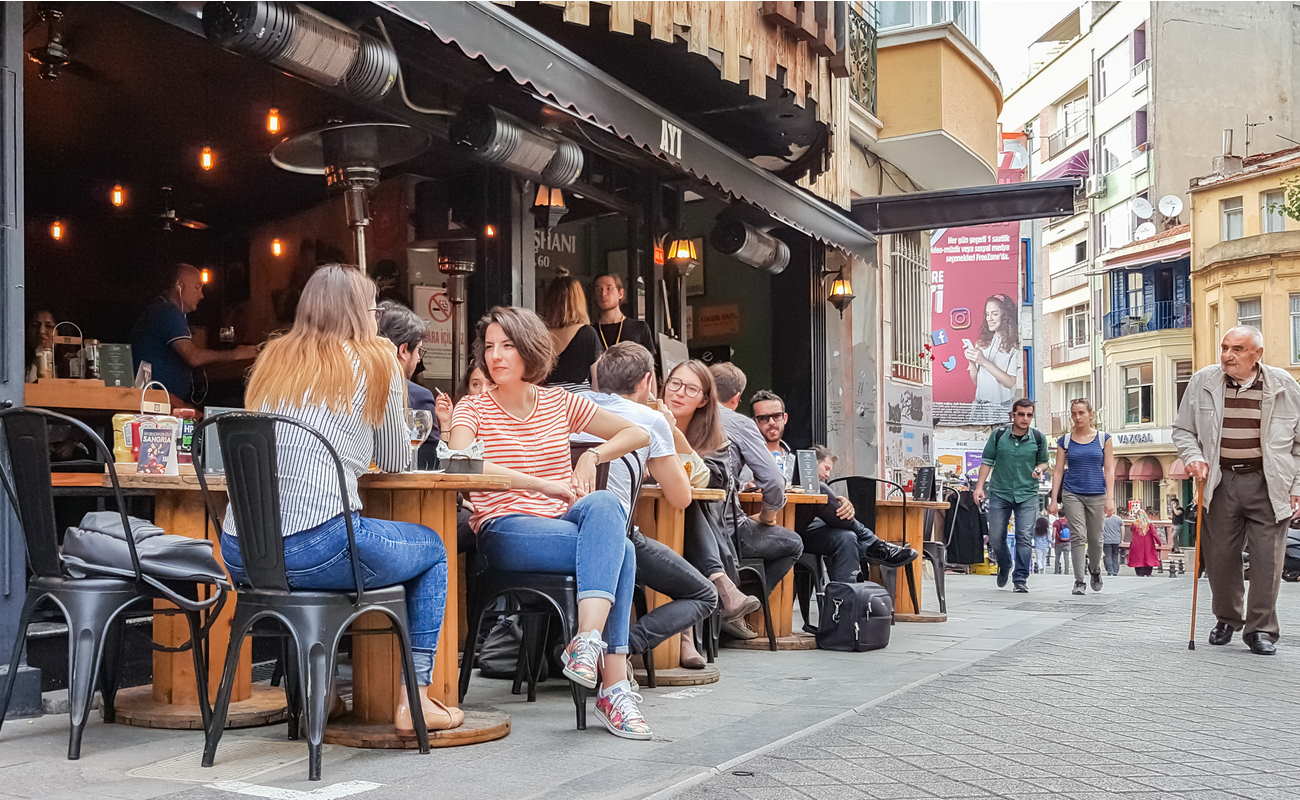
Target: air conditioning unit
(1096, 186)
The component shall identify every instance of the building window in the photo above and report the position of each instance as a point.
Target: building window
(1027, 272)
(1214, 321)
(1137, 394)
(895, 14)
(1033, 131)
(1134, 292)
(1230, 217)
(1182, 376)
(1116, 147)
(1074, 118)
(1117, 226)
(1076, 326)
(1140, 137)
(910, 266)
(1271, 219)
(1250, 312)
(1114, 69)
(1076, 390)
(1081, 251)
(1295, 329)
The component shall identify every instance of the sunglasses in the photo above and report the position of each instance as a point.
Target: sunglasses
(762, 418)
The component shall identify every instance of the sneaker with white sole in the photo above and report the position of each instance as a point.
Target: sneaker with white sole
(582, 657)
(619, 708)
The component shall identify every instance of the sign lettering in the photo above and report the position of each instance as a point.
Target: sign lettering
(670, 139)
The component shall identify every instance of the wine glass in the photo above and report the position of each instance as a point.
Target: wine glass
(419, 424)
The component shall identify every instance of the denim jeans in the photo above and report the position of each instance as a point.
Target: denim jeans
(390, 553)
(692, 595)
(1110, 552)
(778, 547)
(1041, 548)
(1026, 512)
(704, 546)
(589, 542)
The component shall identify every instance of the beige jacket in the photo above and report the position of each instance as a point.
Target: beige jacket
(1199, 428)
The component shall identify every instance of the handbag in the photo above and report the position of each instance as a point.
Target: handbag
(98, 546)
(853, 617)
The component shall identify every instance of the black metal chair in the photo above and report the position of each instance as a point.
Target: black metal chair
(753, 567)
(92, 606)
(936, 552)
(809, 580)
(315, 620)
(861, 492)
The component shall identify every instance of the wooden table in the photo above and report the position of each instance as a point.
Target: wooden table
(781, 600)
(659, 520)
(66, 394)
(889, 527)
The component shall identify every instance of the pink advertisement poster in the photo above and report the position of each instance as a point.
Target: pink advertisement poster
(975, 322)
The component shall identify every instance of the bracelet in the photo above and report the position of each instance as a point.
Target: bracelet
(593, 452)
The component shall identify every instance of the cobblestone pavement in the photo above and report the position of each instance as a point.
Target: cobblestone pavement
(1109, 705)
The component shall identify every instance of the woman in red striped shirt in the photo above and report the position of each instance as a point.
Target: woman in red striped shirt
(552, 520)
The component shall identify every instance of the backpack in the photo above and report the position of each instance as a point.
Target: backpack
(1064, 443)
(1065, 533)
(853, 617)
(1038, 436)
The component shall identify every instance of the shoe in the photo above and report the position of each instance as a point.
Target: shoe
(734, 602)
(690, 657)
(1021, 588)
(1221, 634)
(889, 554)
(438, 718)
(619, 708)
(1079, 588)
(738, 629)
(1096, 581)
(1003, 574)
(581, 657)
(1260, 643)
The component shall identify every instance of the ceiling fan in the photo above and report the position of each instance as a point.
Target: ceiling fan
(170, 219)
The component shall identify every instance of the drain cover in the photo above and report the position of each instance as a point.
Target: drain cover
(236, 760)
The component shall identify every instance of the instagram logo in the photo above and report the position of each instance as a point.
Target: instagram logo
(959, 318)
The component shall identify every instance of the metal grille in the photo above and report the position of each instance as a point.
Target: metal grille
(862, 58)
(910, 267)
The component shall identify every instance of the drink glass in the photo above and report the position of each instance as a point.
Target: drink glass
(419, 424)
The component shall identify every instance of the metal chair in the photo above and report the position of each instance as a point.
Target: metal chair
(316, 620)
(92, 606)
(861, 492)
(755, 568)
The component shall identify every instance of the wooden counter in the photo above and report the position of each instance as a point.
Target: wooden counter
(89, 395)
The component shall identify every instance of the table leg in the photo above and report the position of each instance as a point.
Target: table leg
(781, 604)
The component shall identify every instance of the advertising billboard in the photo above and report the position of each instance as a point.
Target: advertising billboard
(975, 322)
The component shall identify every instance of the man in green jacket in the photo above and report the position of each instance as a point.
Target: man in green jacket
(1014, 460)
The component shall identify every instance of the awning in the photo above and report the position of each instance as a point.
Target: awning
(1076, 166)
(1146, 469)
(974, 205)
(483, 30)
(1148, 259)
(1178, 470)
(1122, 466)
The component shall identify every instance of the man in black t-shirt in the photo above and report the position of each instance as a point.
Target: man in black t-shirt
(611, 324)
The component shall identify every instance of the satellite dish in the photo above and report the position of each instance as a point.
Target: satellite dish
(1142, 208)
(1145, 231)
(1171, 205)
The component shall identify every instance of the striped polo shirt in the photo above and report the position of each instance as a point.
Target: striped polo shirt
(1241, 420)
(537, 445)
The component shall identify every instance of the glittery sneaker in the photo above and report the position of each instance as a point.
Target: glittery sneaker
(581, 658)
(618, 707)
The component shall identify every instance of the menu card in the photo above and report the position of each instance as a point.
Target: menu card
(808, 470)
(115, 365)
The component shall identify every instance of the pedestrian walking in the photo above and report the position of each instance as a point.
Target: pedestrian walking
(1238, 430)
(1014, 460)
(1081, 488)
(1144, 547)
(1042, 544)
(1061, 545)
(1177, 516)
(1112, 536)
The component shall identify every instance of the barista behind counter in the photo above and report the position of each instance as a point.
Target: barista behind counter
(161, 335)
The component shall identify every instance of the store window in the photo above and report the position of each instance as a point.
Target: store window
(1137, 394)
(1230, 219)
(1271, 219)
(1182, 377)
(1250, 312)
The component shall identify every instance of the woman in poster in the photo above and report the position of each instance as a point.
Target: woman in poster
(994, 358)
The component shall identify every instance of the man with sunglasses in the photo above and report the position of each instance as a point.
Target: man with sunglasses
(830, 530)
(1014, 461)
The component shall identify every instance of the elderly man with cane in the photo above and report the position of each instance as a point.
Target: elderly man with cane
(1238, 431)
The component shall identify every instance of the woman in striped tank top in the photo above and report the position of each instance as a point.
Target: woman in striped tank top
(552, 519)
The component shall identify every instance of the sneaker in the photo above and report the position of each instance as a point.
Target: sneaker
(1003, 574)
(1096, 581)
(1079, 588)
(738, 629)
(619, 708)
(1021, 588)
(581, 657)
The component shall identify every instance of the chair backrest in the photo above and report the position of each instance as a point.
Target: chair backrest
(576, 449)
(635, 477)
(250, 456)
(862, 493)
(26, 478)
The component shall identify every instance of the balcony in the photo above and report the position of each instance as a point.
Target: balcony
(1063, 353)
(1063, 282)
(1060, 422)
(862, 60)
(1140, 71)
(1060, 140)
(1159, 316)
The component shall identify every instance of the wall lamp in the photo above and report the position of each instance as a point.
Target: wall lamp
(840, 293)
(681, 256)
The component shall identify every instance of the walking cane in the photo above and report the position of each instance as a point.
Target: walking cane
(1196, 558)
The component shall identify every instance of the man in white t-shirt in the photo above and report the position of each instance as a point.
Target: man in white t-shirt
(625, 382)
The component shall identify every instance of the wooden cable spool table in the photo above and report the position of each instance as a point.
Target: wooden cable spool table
(889, 527)
(659, 520)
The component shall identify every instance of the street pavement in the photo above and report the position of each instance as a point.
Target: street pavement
(1040, 695)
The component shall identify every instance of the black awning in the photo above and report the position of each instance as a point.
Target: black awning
(482, 30)
(974, 205)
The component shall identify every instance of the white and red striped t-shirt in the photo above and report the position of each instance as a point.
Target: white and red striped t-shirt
(537, 446)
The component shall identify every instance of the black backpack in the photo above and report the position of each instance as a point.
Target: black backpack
(854, 617)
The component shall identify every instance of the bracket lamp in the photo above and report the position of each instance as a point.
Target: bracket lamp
(548, 206)
(682, 256)
(840, 293)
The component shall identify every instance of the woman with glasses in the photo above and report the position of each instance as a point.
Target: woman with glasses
(334, 373)
(552, 519)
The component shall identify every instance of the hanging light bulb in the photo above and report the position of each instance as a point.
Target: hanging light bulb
(277, 248)
(57, 230)
(117, 196)
(273, 120)
(207, 158)
(205, 276)
(490, 231)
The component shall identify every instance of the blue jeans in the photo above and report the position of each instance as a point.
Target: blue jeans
(391, 553)
(1026, 513)
(589, 542)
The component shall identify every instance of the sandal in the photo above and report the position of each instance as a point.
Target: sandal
(439, 718)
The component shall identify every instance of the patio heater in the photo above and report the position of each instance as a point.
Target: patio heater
(457, 255)
(350, 155)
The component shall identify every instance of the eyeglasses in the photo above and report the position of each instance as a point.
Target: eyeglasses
(688, 389)
(762, 418)
(377, 311)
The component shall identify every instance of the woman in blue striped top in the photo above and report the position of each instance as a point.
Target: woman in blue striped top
(1082, 484)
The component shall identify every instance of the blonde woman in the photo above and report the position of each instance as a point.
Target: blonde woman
(1083, 480)
(334, 373)
(576, 343)
(1144, 548)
